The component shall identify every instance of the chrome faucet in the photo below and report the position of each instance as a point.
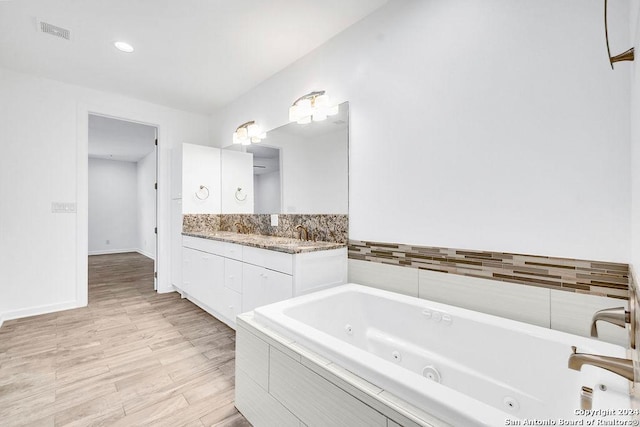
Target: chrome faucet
(617, 316)
(622, 367)
(300, 229)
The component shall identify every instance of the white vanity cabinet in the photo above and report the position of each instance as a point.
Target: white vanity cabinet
(227, 279)
(262, 286)
(203, 276)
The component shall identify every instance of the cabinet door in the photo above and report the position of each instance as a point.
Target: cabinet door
(207, 286)
(261, 286)
(189, 267)
(233, 275)
(232, 304)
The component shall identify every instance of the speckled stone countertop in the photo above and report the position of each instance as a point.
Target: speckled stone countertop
(280, 244)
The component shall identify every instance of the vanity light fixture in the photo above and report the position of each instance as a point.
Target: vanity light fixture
(123, 46)
(248, 133)
(312, 106)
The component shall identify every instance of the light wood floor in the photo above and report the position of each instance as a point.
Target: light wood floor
(132, 357)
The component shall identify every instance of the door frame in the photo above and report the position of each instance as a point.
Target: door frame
(161, 264)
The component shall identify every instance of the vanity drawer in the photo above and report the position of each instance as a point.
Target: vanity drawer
(211, 246)
(273, 260)
(233, 251)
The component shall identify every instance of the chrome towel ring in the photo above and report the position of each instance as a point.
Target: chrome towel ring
(241, 197)
(202, 193)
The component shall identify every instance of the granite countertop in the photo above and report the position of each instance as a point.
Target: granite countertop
(280, 244)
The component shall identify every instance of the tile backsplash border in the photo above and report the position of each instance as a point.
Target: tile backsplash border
(572, 275)
(321, 227)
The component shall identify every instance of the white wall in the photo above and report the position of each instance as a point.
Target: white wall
(146, 218)
(113, 206)
(267, 193)
(43, 136)
(493, 125)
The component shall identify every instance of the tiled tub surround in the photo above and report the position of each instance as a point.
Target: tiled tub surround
(321, 227)
(367, 334)
(573, 275)
(281, 383)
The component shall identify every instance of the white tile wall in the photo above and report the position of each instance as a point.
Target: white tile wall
(525, 303)
(572, 313)
(560, 310)
(384, 276)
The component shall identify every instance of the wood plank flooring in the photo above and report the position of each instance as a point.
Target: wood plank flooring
(132, 357)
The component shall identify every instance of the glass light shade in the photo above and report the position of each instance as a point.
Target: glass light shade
(236, 140)
(304, 120)
(319, 116)
(255, 139)
(304, 108)
(321, 101)
(332, 110)
(253, 130)
(246, 141)
(242, 133)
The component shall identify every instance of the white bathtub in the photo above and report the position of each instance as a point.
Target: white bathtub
(492, 371)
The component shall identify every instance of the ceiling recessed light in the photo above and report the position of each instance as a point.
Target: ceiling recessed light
(125, 47)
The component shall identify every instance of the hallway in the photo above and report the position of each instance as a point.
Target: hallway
(132, 357)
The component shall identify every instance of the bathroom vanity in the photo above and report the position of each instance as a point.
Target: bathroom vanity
(228, 273)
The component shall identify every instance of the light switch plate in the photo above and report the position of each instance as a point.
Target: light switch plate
(274, 220)
(63, 207)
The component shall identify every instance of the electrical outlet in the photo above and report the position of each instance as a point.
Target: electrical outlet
(274, 220)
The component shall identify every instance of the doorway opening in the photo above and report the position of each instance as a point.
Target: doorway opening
(122, 193)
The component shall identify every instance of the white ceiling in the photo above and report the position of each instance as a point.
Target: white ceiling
(119, 140)
(190, 54)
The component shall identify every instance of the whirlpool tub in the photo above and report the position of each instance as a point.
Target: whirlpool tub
(462, 367)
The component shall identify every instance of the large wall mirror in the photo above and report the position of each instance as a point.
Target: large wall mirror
(299, 169)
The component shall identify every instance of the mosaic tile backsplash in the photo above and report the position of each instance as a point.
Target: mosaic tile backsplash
(574, 275)
(323, 228)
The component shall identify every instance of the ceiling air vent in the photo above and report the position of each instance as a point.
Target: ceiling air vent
(45, 27)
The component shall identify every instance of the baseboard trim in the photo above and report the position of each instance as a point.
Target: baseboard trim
(113, 251)
(123, 251)
(41, 309)
(147, 254)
